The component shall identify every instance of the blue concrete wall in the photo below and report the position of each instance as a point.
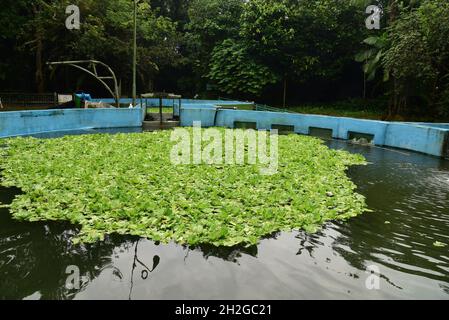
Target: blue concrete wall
(187, 103)
(410, 136)
(31, 122)
(207, 106)
(436, 125)
(191, 114)
(429, 140)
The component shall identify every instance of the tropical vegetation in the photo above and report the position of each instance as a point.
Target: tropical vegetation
(278, 52)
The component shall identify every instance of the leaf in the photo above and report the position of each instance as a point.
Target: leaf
(439, 244)
(364, 55)
(377, 42)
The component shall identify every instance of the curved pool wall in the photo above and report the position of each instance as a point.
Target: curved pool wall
(22, 123)
(432, 139)
(428, 138)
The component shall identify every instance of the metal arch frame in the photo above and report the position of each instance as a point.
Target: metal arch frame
(93, 63)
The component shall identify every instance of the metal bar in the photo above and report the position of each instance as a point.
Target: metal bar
(92, 74)
(76, 63)
(135, 54)
(160, 109)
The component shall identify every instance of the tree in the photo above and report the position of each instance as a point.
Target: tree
(377, 44)
(304, 40)
(372, 58)
(418, 57)
(11, 21)
(210, 23)
(105, 34)
(234, 70)
(270, 36)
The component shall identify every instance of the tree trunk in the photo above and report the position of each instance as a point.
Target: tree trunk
(394, 11)
(39, 34)
(284, 100)
(394, 103)
(39, 66)
(364, 85)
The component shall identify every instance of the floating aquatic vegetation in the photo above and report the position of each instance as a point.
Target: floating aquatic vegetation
(439, 244)
(126, 184)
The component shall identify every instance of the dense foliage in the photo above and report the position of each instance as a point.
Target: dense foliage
(235, 71)
(126, 184)
(272, 51)
(418, 57)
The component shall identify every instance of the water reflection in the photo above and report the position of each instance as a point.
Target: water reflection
(231, 254)
(145, 271)
(59, 134)
(409, 196)
(407, 192)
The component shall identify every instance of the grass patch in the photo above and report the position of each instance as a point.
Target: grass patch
(338, 112)
(156, 110)
(126, 184)
(352, 108)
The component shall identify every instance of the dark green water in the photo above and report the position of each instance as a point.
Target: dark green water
(408, 192)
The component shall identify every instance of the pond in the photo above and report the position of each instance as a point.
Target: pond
(409, 196)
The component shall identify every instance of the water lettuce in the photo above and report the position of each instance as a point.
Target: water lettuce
(126, 184)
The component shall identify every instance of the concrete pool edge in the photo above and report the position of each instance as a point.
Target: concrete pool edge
(420, 137)
(427, 138)
(21, 123)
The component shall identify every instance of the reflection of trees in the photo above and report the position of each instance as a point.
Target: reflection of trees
(404, 192)
(145, 270)
(399, 233)
(34, 259)
(231, 254)
(308, 242)
(59, 134)
(34, 256)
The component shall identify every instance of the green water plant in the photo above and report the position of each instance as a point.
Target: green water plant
(126, 184)
(439, 244)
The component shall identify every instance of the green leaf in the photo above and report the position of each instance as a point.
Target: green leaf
(439, 244)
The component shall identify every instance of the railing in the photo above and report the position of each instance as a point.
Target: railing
(28, 99)
(225, 99)
(262, 107)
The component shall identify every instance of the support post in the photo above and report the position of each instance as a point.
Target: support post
(135, 55)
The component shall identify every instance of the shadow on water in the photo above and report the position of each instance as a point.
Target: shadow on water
(230, 254)
(34, 258)
(59, 134)
(409, 196)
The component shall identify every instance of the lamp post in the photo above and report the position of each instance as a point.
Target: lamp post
(135, 55)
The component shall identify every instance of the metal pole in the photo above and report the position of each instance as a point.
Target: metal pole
(77, 64)
(135, 55)
(160, 109)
